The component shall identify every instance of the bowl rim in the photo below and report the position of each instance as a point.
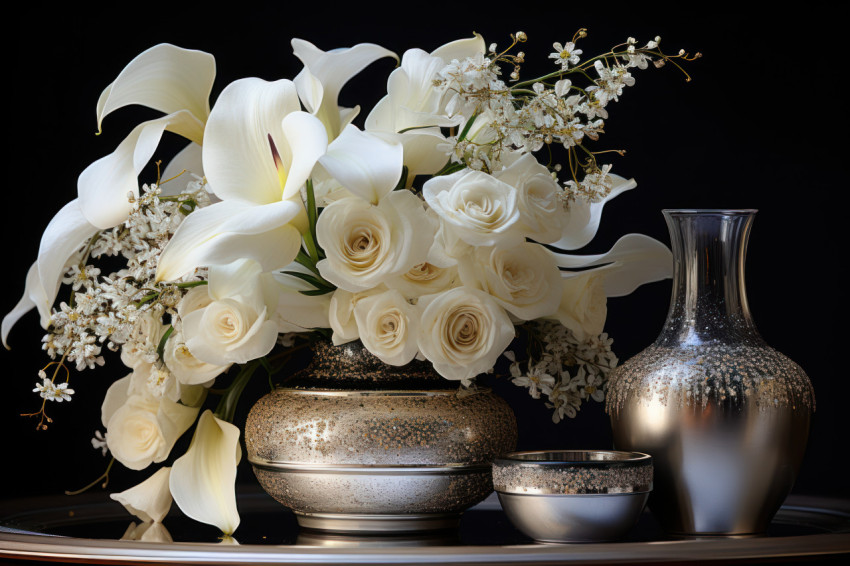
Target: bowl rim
(571, 459)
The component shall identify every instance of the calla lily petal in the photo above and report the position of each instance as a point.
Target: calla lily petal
(149, 500)
(308, 142)
(226, 231)
(104, 186)
(259, 146)
(34, 296)
(182, 170)
(237, 154)
(203, 480)
(364, 164)
(67, 231)
(461, 49)
(585, 216)
(332, 69)
(166, 78)
(634, 260)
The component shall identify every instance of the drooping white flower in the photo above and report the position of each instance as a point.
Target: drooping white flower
(150, 500)
(462, 332)
(203, 480)
(259, 150)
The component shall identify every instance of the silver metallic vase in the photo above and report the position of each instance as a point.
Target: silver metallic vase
(354, 445)
(724, 416)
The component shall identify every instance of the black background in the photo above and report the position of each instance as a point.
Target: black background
(761, 125)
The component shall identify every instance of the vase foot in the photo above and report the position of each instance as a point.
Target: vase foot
(374, 523)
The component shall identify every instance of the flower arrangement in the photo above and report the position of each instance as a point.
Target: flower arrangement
(432, 232)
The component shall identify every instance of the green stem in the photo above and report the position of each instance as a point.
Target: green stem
(226, 409)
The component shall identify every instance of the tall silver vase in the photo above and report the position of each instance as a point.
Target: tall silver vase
(724, 416)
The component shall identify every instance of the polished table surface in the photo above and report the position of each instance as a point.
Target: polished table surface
(87, 529)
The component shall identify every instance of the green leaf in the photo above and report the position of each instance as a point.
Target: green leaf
(160, 349)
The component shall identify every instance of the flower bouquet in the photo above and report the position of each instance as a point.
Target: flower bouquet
(435, 231)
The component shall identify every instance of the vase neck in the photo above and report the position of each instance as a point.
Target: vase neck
(709, 302)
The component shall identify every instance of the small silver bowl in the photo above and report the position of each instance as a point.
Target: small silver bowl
(573, 495)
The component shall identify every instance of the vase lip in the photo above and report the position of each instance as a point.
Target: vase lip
(710, 211)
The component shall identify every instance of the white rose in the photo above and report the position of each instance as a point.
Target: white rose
(368, 244)
(341, 314)
(388, 326)
(143, 430)
(462, 332)
(523, 279)
(185, 367)
(234, 327)
(474, 207)
(583, 306)
(542, 212)
(425, 279)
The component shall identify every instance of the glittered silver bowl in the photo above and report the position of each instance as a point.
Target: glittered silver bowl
(573, 495)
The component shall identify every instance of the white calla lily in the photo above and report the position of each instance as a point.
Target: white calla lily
(149, 500)
(64, 235)
(203, 480)
(166, 78)
(259, 149)
(634, 260)
(412, 111)
(324, 75)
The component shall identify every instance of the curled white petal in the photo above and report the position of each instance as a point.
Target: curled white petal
(149, 500)
(634, 259)
(103, 187)
(324, 75)
(364, 163)
(584, 217)
(166, 78)
(229, 230)
(203, 480)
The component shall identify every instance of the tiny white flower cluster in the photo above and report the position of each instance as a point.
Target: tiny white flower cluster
(51, 392)
(106, 309)
(516, 119)
(560, 353)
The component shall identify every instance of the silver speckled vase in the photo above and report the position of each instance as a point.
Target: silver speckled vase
(724, 416)
(354, 445)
